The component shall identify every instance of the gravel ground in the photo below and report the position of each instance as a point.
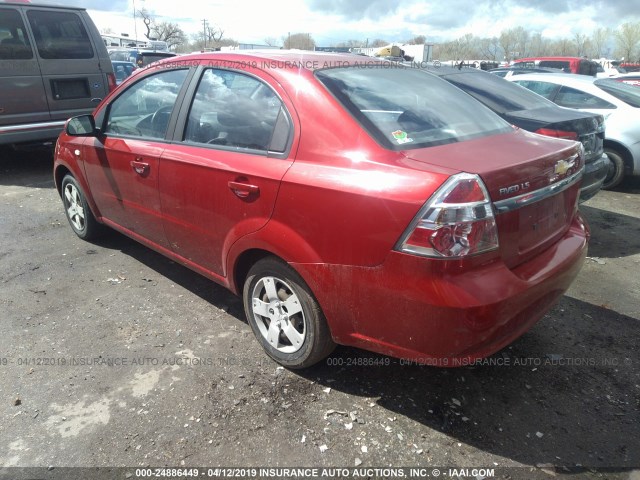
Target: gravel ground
(113, 355)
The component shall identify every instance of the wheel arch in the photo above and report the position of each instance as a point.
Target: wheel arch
(624, 152)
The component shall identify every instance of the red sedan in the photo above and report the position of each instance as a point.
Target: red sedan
(348, 200)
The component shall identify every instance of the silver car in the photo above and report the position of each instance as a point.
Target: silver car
(618, 102)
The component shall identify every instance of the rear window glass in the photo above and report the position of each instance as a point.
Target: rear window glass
(407, 108)
(60, 35)
(496, 93)
(14, 42)
(148, 58)
(561, 64)
(627, 93)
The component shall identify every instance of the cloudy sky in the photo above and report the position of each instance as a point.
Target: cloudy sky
(334, 21)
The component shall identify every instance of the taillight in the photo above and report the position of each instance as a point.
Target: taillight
(456, 221)
(550, 132)
(111, 82)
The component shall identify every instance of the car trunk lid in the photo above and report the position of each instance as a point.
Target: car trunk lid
(533, 183)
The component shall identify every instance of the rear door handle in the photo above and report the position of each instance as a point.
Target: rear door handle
(141, 168)
(243, 190)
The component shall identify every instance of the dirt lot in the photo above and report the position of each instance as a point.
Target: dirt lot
(112, 355)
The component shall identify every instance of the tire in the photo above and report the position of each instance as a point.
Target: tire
(80, 217)
(616, 169)
(274, 295)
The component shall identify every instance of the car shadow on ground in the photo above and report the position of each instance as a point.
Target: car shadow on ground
(206, 289)
(613, 235)
(27, 168)
(534, 402)
(567, 393)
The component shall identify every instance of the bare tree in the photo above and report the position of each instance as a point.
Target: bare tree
(301, 41)
(379, 42)
(508, 42)
(417, 40)
(599, 39)
(489, 48)
(582, 44)
(627, 40)
(538, 46)
(271, 41)
(168, 32)
(147, 19)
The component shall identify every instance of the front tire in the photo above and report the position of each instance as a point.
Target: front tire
(616, 169)
(77, 210)
(284, 316)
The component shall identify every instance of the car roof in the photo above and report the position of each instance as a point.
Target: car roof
(39, 5)
(563, 78)
(286, 59)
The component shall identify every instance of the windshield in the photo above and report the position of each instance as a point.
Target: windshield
(622, 91)
(406, 108)
(496, 93)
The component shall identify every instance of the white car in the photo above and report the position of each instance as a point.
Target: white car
(618, 102)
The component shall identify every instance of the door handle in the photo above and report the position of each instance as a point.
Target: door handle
(243, 190)
(141, 168)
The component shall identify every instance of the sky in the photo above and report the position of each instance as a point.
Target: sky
(333, 21)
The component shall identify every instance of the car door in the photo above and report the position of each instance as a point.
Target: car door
(220, 180)
(122, 163)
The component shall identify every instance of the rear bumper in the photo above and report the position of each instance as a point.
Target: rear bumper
(593, 178)
(440, 312)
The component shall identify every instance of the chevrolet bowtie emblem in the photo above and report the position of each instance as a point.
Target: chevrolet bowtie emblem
(562, 166)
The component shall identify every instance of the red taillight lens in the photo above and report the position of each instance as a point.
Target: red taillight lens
(550, 132)
(111, 82)
(457, 221)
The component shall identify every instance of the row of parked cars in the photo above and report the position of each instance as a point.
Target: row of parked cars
(429, 214)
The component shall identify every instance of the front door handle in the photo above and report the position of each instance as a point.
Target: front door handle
(141, 168)
(243, 190)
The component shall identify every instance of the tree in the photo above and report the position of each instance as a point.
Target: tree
(271, 41)
(627, 39)
(379, 42)
(168, 32)
(599, 39)
(582, 44)
(301, 41)
(508, 42)
(538, 45)
(489, 48)
(417, 40)
(147, 19)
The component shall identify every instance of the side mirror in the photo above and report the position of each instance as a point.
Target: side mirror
(81, 126)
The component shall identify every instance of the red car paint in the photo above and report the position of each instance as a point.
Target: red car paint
(334, 208)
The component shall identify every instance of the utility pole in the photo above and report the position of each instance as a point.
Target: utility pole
(204, 31)
(135, 27)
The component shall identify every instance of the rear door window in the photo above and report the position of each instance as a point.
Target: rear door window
(59, 35)
(14, 42)
(234, 110)
(574, 98)
(546, 89)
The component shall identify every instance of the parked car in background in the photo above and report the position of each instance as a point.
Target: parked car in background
(140, 57)
(122, 70)
(530, 112)
(628, 78)
(577, 65)
(53, 65)
(516, 70)
(618, 102)
(376, 207)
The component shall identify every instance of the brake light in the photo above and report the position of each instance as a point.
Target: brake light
(457, 221)
(111, 82)
(550, 132)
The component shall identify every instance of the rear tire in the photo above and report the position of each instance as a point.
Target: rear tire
(284, 316)
(616, 169)
(77, 210)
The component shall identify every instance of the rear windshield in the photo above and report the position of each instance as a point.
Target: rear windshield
(60, 35)
(496, 93)
(148, 58)
(407, 108)
(622, 91)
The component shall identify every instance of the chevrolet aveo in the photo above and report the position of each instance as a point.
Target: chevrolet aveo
(347, 200)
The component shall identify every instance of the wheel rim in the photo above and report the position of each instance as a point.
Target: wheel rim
(73, 205)
(278, 314)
